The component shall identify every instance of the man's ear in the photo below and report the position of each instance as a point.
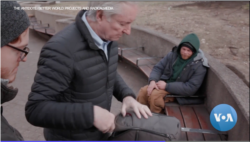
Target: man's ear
(99, 15)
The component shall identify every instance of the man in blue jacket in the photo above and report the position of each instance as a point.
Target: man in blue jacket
(180, 72)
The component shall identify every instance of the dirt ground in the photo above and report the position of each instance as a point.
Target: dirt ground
(223, 27)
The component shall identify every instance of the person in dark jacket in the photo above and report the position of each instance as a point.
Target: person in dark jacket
(180, 72)
(14, 39)
(77, 76)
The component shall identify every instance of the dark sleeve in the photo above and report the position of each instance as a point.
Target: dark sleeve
(121, 89)
(9, 133)
(10, 137)
(191, 86)
(158, 69)
(45, 107)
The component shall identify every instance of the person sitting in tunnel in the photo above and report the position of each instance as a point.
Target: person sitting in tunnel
(180, 72)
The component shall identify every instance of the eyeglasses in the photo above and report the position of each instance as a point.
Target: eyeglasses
(24, 53)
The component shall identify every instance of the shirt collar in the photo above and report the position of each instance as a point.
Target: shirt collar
(97, 39)
(4, 81)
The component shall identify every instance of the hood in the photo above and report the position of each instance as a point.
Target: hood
(201, 56)
(192, 39)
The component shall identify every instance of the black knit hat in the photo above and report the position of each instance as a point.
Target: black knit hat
(190, 46)
(13, 22)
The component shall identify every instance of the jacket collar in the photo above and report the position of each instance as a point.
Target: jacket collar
(84, 30)
(7, 93)
(86, 34)
(98, 41)
(4, 81)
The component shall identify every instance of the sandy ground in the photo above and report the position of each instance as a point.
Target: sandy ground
(223, 27)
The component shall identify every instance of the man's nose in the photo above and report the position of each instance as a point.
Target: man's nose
(24, 59)
(127, 30)
(186, 52)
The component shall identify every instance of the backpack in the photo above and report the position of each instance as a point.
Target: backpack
(158, 127)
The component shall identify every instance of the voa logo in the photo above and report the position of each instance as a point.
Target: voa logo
(223, 117)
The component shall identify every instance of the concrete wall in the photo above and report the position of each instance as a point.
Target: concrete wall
(30, 12)
(62, 23)
(34, 4)
(45, 3)
(222, 85)
(49, 17)
(155, 43)
(56, 21)
(225, 87)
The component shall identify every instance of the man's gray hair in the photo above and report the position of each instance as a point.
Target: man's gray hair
(116, 8)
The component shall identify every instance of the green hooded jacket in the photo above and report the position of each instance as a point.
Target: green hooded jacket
(181, 63)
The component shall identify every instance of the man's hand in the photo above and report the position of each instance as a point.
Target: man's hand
(151, 87)
(131, 103)
(104, 120)
(161, 84)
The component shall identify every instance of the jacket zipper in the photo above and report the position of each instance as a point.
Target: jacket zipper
(173, 68)
(107, 65)
(184, 70)
(108, 59)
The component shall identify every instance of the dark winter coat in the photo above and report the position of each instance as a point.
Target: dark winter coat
(8, 133)
(74, 75)
(192, 75)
